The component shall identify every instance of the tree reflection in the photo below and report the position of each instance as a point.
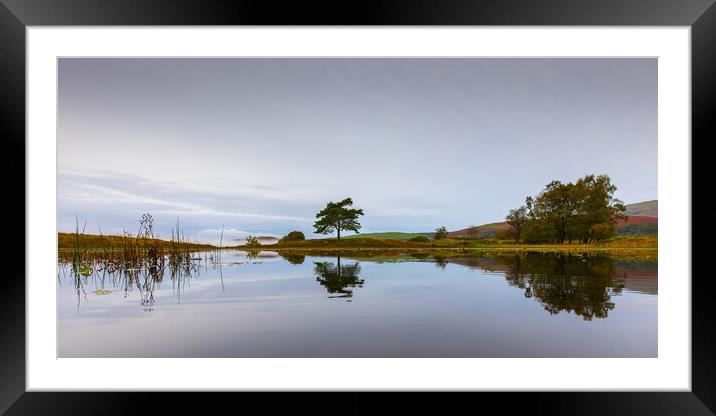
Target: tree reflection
(292, 258)
(579, 283)
(441, 262)
(338, 279)
(252, 254)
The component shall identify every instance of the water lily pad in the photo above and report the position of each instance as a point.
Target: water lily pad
(85, 270)
(102, 292)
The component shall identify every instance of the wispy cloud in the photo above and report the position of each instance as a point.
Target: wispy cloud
(120, 198)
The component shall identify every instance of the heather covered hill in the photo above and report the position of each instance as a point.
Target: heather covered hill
(643, 219)
(482, 231)
(646, 209)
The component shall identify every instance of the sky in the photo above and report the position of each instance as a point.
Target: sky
(259, 145)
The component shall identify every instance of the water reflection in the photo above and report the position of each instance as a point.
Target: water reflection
(441, 262)
(108, 276)
(293, 258)
(583, 284)
(445, 303)
(338, 278)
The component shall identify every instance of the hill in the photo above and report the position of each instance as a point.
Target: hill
(483, 231)
(646, 209)
(643, 219)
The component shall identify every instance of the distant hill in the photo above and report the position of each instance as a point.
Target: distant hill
(643, 219)
(646, 209)
(483, 231)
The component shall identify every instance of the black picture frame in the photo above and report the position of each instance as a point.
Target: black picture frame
(16, 15)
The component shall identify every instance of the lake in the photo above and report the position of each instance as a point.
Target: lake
(363, 304)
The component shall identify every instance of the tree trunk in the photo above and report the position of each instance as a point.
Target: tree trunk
(339, 231)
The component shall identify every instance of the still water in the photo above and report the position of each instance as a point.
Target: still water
(370, 304)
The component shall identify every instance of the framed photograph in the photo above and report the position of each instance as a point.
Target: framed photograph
(474, 198)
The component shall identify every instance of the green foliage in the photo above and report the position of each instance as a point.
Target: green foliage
(293, 236)
(336, 216)
(252, 241)
(419, 239)
(516, 218)
(584, 211)
(441, 233)
(505, 235)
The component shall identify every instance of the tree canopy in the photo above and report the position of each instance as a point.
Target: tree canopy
(293, 236)
(337, 216)
(582, 211)
(517, 218)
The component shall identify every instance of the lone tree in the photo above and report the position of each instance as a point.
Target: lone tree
(441, 233)
(517, 218)
(336, 216)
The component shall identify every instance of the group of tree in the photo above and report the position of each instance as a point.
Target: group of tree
(583, 211)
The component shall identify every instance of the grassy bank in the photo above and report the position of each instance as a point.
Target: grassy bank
(67, 241)
(388, 236)
(98, 244)
(630, 242)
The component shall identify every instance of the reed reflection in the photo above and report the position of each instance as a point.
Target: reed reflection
(108, 276)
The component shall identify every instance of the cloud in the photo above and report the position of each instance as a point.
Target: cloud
(116, 198)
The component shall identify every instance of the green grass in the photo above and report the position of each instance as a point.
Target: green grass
(389, 236)
(362, 243)
(642, 248)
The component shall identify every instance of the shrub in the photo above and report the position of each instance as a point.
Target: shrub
(420, 239)
(252, 241)
(294, 236)
(504, 235)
